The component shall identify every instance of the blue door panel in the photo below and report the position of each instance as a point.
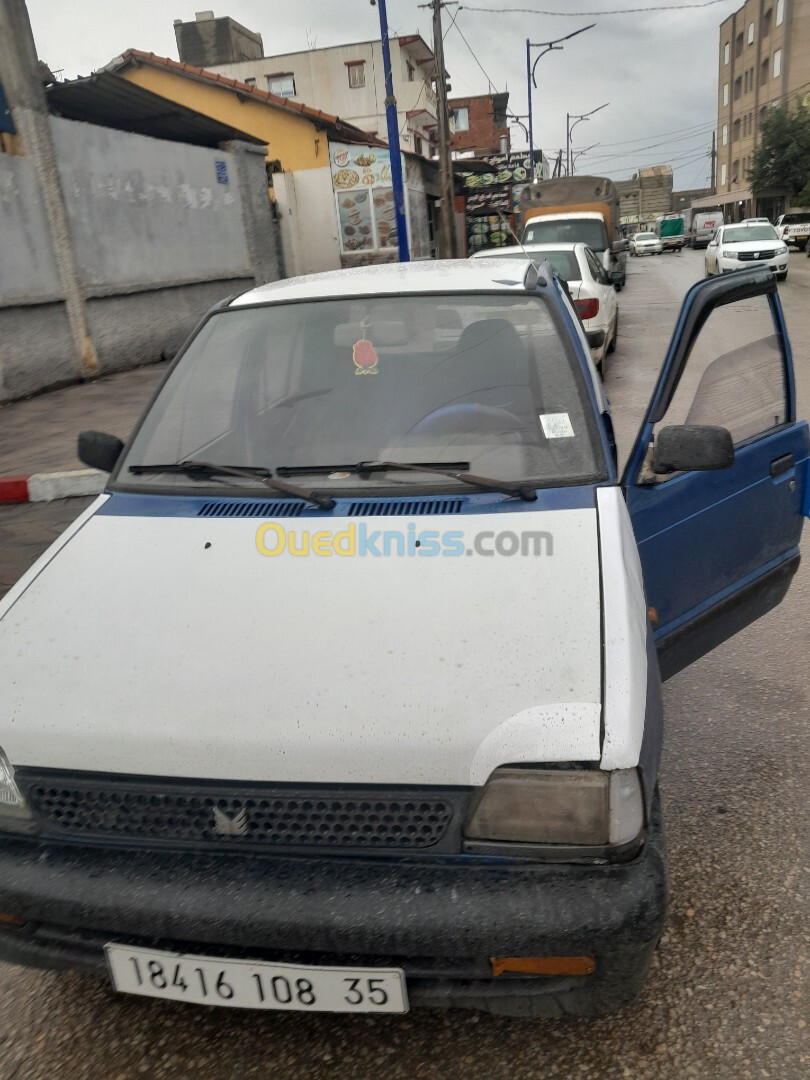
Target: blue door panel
(700, 534)
(718, 548)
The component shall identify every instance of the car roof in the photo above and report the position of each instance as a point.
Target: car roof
(518, 249)
(392, 279)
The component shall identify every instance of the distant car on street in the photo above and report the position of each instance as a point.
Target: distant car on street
(735, 247)
(645, 243)
(755, 221)
(702, 227)
(794, 228)
(592, 290)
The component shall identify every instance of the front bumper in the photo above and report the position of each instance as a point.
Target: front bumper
(441, 920)
(778, 264)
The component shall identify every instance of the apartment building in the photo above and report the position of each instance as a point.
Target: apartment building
(481, 123)
(764, 61)
(344, 80)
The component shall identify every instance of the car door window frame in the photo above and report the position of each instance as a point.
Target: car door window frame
(707, 296)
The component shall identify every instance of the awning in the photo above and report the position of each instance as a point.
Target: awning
(723, 199)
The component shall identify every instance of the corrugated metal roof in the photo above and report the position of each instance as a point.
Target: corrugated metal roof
(110, 101)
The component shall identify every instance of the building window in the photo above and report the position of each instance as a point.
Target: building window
(725, 92)
(411, 72)
(777, 63)
(281, 85)
(780, 12)
(763, 72)
(763, 112)
(723, 173)
(736, 131)
(735, 171)
(462, 118)
(357, 73)
(738, 88)
(417, 145)
(724, 136)
(751, 33)
(726, 52)
(738, 45)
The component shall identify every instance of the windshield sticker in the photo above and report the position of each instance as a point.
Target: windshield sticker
(556, 425)
(365, 358)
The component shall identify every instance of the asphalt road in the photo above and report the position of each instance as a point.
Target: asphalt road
(727, 994)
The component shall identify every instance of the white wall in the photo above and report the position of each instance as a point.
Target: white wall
(306, 208)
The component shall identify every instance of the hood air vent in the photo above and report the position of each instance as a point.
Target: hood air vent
(250, 509)
(405, 508)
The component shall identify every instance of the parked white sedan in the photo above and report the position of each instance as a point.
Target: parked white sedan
(593, 292)
(645, 243)
(735, 247)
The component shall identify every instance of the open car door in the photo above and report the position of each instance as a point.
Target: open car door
(715, 484)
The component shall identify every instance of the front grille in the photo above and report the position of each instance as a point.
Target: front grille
(201, 815)
(750, 256)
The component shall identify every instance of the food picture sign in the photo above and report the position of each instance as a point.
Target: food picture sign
(361, 181)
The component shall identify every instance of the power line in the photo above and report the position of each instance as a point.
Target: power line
(589, 14)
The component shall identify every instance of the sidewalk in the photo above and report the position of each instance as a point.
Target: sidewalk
(39, 435)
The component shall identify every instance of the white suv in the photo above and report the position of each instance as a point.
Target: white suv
(735, 247)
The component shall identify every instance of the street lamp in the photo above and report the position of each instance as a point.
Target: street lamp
(546, 46)
(579, 153)
(569, 127)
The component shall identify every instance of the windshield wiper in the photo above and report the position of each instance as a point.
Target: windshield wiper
(202, 469)
(456, 470)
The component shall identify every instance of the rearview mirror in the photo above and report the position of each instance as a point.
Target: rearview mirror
(98, 450)
(619, 245)
(692, 446)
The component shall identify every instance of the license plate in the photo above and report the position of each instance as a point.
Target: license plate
(254, 984)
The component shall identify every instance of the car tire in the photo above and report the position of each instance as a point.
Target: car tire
(612, 343)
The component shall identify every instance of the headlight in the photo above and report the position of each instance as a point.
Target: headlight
(782, 250)
(550, 806)
(728, 253)
(14, 813)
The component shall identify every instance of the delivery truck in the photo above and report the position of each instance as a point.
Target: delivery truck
(669, 228)
(574, 210)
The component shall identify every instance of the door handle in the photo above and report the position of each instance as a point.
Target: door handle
(782, 464)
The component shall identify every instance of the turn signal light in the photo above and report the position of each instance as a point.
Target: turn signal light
(544, 965)
(587, 308)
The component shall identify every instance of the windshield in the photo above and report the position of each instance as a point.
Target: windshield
(796, 219)
(646, 236)
(749, 232)
(564, 262)
(590, 231)
(479, 379)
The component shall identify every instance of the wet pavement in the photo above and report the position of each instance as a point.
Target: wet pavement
(726, 998)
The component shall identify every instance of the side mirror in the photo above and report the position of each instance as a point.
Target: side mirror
(619, 245)
(692, 446)
(98, 450)
(616, 277)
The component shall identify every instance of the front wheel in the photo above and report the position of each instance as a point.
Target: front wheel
(612, 345)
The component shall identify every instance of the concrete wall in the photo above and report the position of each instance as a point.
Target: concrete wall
(160, 232)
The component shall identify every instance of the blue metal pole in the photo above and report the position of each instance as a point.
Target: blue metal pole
(393, 140)
(529, 94)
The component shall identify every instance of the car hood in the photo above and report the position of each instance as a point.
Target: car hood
(170, 646)
(751, 245)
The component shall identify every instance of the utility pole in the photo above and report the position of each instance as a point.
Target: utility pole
(393, 140)
(19, 73)
(447, 231)
(714, 164)
(569, 127)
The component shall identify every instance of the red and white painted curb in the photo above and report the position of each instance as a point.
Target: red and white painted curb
(43, 487)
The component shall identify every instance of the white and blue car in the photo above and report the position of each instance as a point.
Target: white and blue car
(345, 694)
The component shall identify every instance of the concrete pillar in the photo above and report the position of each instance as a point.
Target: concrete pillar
(261, 228)
(19, 73)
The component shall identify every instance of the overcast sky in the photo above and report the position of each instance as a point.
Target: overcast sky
(658, 69)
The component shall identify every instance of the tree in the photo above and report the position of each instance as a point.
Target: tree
(782, 160)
